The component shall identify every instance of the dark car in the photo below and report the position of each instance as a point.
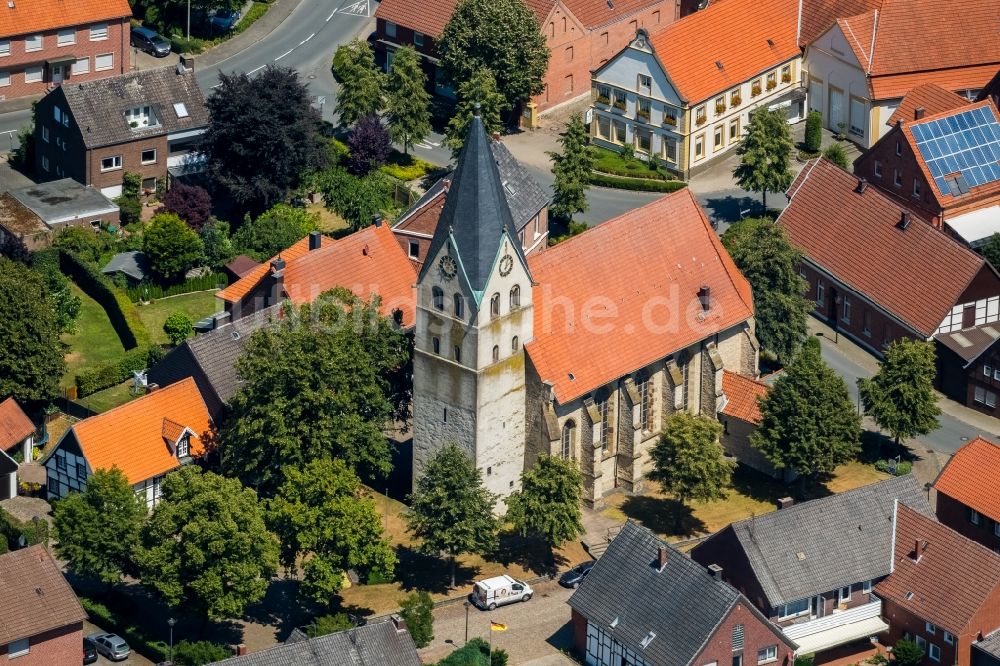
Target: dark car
(575, 576)
(111, 646)
(225, 19)
(150, 41)
(89, 651)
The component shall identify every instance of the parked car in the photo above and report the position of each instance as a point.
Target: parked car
(575, 576)
(111, 646)
(225, 19)
(89, 651)
(499, 591)
(150, 41)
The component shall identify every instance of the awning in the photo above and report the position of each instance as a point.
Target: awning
(977, 227)
(59, 59)
(845, 633)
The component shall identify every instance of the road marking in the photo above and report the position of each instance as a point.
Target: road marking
(283, 55)
(330, 17)
(257, 69)
(359, 8)
(308, 38)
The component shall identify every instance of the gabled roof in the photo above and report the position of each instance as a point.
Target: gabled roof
(930, 97)
(628, 595)
(98, 107)
(855, 237)
(824, 544)
(242, 264)
(970, 343)
(742, 394)
(970, 477)
(989, 645)
(664, 250)
(31, 16)
(952, 580)
(376, 644)
(14, 424)
(130, 437)
(818, 16)
(36, 597)
(731, 33)
(249, 282)
(132, 263)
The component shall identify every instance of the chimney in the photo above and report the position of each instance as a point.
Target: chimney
(277, 281)
(785, 502)
(705, 297)
(241, 650)
(862, 185)
(661, 558)
(377, 220)
(315, 239)
(398, 622)
(917, 550)
(185, 64)
(495, 136)
(904, 219)
(918, 113)
(716, 571)
(152, 387)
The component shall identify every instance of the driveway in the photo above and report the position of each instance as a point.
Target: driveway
(536, 630)
(133, 660)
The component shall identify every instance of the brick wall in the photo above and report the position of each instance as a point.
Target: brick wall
(757, 635)
(116, 43)
(131, 157)
(579, 633)
(955, 515)
(59, 646)
(723, 549)
(884, 153)
(902, 623)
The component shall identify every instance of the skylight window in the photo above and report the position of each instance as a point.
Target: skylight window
(181, 110)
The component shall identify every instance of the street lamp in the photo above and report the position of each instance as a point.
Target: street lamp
(171, 621)
(189, 21)
(466, 604)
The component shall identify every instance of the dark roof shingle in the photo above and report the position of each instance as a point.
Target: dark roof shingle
(36, 597)
(970, 343)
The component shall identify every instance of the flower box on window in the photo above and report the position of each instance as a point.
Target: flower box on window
(699, 120)
(642, 115)
(720, 108)
(735, 101)
(755, 90)
(603, 99)
(772, 84)
(620, 104)
(670, 120)
(786, 77)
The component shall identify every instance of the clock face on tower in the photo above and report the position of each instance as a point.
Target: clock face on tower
(448, 267)
(506, 265)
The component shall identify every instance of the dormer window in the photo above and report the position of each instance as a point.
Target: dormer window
(184, 446)
(140, 117)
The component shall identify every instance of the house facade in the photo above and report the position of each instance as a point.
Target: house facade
(17, 439)
(46, 43)
(683, 100)
(740, 417)
(144, 122)
(968, 500)
(966, 360)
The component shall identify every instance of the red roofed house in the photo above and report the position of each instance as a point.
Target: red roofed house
(968, 495)
(683, 95)
(943, 591)
(740, 417)
(862, 66)
(41, 620)
(580, 34)
(875, 272)
(17, 436)
(44, 43)
(146, 439)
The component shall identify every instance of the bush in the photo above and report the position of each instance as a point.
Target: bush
(328, 624)
(615, 164)
(115, 621)
(836, 154)
(637, 184)
(12, 529)
(178, 327)
(407, 167)
(181, 44)
(99, 377)
(370, 144)
(120, 310)
(197, 653)
(417, 611)
(903, 467)
(907, 653)
(189, 202)
(154, 291)
(256, 10)
(814, 131)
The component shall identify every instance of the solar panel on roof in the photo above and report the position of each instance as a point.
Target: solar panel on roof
(966, 144)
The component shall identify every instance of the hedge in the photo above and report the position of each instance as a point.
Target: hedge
(97, 378)
(121, 312)
(154, 291)
(638, 184)
(12, 529)
(108, 620)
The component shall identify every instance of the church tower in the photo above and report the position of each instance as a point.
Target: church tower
(474, 315)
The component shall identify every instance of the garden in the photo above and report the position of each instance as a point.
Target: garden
(624, 170)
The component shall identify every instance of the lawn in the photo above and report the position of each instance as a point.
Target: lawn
(329, 222)
(197, 305)
(611, 162)
(104, 400)
(94, 341)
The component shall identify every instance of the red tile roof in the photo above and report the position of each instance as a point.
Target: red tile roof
(930, 97)
(249, 282)
(818, 16)
(595, 13)
(960, 78)
(30, 16)
(971, 477)
(742, 394)
(36, 597)
(431, 16)
(625, 294)
(369, 262)
(14, 424)
(954, 578)
(132, 437)
(733, 33)
(855, 238)
(425, 219)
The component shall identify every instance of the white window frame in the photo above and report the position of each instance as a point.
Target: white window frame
(28, 43)
(116, 161)
(66, 37)
(996, 528)
(878, 169)
(18, 648)
(949, 638)
(866, 587)
(987, 371)
(45, 167)
(153, 161)
(97, 62)
(784, 613)
(979, 395)
(418, 38)
(934, 652)
(991, 399)
(45, 133)
(846, 315)
(974, 516)
(841, 597)
(34, 74)
(897, 178)
(820, 292)
(4, 48)
(390, 29)
(770, 654)
(916, 188)
(98, 32)
(921, 642)
(414, 250)
(76, 68)
(996, 374)
(930, 628)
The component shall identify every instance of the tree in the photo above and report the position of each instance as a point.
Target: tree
(548, 503)
(992, 250)
(357, 200)
(13, 248)
(502, 36)
(205, 547)
(178, 327)
(31, 355)
(836, 154)
(814, 131)
(572, 170)
(218, 247)
(761, 250)
(370, 145)
(322, 513)
(764, 154)
(418, 613)
(84, 243)
(189, 202)
(318, 384)
(130, 202)
(65, 303)
(809, 424)
(198, 653)
(409, 103)
(450, 510)
(900, 397)
(689, 462)
(481, 90)
(263, 135)
(362, 85)
(907, 653)
(276, 229)
(171, 247)
(328, 624)
(97, 530)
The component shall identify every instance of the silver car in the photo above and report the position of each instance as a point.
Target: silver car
(111, 646)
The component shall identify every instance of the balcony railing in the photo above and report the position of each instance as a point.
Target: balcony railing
(834, 620)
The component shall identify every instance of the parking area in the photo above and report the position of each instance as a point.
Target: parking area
(133, 660)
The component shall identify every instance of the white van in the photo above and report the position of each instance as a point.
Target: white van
(493, 592)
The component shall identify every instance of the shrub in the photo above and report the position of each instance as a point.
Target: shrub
(417, 611)
(171, 247)
(178, 327)
(12, 529)
(637, 184)
(328, 624)
(836, 154)
(406, 167)
(370, 144)
(903, 467)
(257, 9)
(154, 291)
(197, 653)
(120, 310)
(99, 377)
(181, 44)
(189, 202)
(907, 653)
(814, 131)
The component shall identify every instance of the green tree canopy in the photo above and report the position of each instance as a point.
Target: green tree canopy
(763, 254)
(274, 230)
(809, 422)
(907, 653)
(362, 85)
(98, 529)
(481, 89)
(548, 503)
(65, 303)
(205, 547)
(31, 354)
(171, 246)
(689, 462)
(765, 152)
(502, 36)
(572, 170)
(217, 243)
(322, 513)
(321, 383)
(409, 102)
(992, 250)
(357, 200)
(178, 327)
(900, 397)
(418, 613)
(450, 510)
